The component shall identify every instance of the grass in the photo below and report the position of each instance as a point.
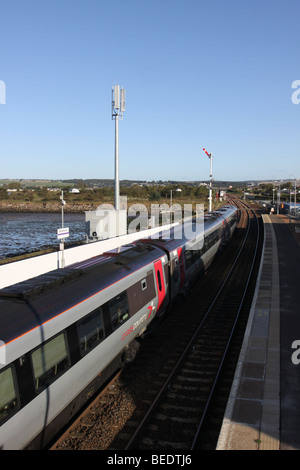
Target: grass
(33, 194)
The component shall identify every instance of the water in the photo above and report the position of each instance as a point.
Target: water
(27, 232)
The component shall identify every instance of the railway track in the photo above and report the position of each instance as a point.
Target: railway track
(175, 417)
(163, 400)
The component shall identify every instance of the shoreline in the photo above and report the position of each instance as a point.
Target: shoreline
(75, 208)
(46, 207)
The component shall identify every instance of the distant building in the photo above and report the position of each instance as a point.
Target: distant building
(74, 191)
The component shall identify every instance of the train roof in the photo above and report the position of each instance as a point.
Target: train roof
(181, 234)
(131, 257)
(31, 303)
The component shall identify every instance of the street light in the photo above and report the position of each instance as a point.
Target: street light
(63, 232)
(278, 197)
(210, 156)
(274, 189)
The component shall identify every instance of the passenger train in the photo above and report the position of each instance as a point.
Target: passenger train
(63, 333)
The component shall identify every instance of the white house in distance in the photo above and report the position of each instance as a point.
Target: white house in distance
(74, 191)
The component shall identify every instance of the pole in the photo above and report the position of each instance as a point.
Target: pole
(118, 107)
(210, 184)
(62, 209)
(117, 183)
(210, 155)
(278, 198)
(62, 246)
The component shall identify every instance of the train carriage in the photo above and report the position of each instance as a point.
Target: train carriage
(192, 246)
(63, 333)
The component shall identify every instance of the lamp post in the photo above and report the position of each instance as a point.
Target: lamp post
(290, 205)
(63, 232)
(210, 156)
(278, 198)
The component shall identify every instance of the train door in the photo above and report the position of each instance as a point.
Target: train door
(160, 283)
(181, 267)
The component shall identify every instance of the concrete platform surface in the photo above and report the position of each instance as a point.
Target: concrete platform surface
(263, 410)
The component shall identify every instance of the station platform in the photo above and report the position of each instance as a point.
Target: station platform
(263, 410)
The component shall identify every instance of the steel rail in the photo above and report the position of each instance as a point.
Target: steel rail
(229, 341)
(179, 362)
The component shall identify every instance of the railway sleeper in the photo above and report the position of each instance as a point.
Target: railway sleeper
(181, 378)
(150, 443)
(198, 372)
(172, 396)
(205, 355)
(173, 445)
(187, 389)
(87, 423)
(176, 419)
(184, 409)
(76, 435)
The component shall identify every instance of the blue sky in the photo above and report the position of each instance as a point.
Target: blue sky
(198, 73)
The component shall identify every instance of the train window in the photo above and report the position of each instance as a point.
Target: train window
(191, 257)
(90, 331)
(210, 240)
(175, 268)
(49, 361)
(205, 246)
(119, 310)
(9, 402)
(159, 280)
(188, 258)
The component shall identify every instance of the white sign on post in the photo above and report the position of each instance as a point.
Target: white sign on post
(62, 232)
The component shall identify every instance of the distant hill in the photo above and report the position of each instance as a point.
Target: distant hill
(102, 183)
(109, 183)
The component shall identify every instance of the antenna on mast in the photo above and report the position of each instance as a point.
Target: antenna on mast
(118, 108)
